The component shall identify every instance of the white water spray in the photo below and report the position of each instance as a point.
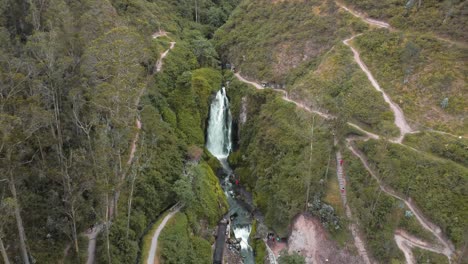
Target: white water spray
(218, 142)
(219, 126)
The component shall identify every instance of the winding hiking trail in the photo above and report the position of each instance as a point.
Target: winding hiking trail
(404, 242)
(133, 147)
(358, 241)
(159, 63)
(400, 120)
(367, 20)
(448, 248)
(154, 241)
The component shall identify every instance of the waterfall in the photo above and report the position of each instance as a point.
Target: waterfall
(219, 126)
(218, 142)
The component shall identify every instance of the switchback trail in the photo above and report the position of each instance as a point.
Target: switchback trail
(406, 242)
(159, 63)
(448, 247)
(358, 240)
(154, 241)
(382, 24)
(400, 120)
(367, 20)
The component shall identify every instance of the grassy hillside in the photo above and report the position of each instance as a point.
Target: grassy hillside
(446, 18)
(273, 158)
(338, 85)
(266, 40)
(419, 73)
(438, 187)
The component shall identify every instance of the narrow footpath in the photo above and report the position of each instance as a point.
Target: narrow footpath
(448, 248)
(400, 120)
(154, 241)
(358, 240)
(408, 241)
(133, 147)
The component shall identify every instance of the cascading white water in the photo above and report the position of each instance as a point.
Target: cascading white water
(219, 126)
(243, 233)
(219, 143)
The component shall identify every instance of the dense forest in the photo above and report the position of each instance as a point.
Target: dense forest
(75, 77)
(104, 108)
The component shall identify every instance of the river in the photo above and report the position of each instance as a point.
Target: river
(219, 143)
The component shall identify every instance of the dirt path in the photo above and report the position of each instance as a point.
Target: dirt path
(382, 24)
(448, 248)
(403, 242)
(154, 241)
(159, 63)
(92, 242)
(358, 240)
(271, 254)
(367, 20)
(285, 97)
(160, 33)
(400, 120)
(92, 236)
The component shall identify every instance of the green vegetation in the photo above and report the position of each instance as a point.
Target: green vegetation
(74, 77)
(293, 258)
(275, 147)
(147, 239)
(332, 198)
(428, 257)
(178, 245)
(438, 187)
(445, 17)
(419, 72)
(338, 85)
(379, 215)
(202, 195)
(443, 146)
(257, 244)
(266, 40)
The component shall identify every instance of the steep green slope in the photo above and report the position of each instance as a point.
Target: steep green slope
(419, 73)
(266, 40)
(273, 156)
(298, 47)
(446, 18)
(76, 79)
